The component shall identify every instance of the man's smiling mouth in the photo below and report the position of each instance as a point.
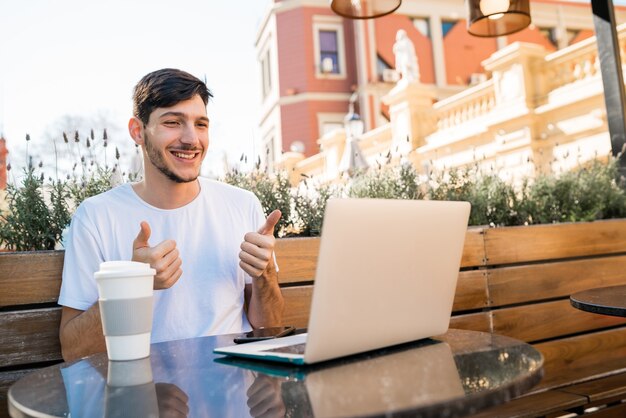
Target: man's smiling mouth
(185, 155)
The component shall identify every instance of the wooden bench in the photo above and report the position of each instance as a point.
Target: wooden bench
(513, 281)
(516, 282)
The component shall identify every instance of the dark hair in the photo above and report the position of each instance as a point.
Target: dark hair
(165, 88)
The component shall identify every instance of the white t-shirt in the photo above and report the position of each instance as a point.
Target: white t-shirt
(208, 298)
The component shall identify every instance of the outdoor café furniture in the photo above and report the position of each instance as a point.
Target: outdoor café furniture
(602, 300)
(453, 375)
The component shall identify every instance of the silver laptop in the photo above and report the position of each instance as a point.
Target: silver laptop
(386, 275)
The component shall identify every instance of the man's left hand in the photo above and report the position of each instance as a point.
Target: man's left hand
(257, 248)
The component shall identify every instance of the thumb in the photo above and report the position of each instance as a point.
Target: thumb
(144, 235)
(270, 223)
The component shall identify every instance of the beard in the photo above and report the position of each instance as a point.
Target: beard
(157, 159)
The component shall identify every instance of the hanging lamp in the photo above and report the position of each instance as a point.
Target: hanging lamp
(364, 9)
(489, 18)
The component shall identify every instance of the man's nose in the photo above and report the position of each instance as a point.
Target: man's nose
(190, 135)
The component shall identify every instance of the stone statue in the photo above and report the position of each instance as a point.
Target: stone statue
(406, 59)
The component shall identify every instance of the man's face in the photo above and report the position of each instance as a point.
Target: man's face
(176, 139)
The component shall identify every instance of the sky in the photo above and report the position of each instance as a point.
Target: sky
(81, 58)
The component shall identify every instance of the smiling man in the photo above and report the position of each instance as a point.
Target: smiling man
(209, 242)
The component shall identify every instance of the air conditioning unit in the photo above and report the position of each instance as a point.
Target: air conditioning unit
(477, 78)
(327, 65)
(390, 75)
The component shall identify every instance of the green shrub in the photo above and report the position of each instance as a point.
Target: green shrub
(310, 204)
(399, 182)
(586, 194)
(34, 222)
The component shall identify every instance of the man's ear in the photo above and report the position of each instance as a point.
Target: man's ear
(135, 129)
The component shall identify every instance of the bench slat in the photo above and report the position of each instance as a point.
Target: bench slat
(471, 291)
(582, 358)
(30, 277)
(509, 285)
(29, 336)
(601, 389)
(474, 322)
(297, 259)
(546, 242)
(473, 249)
(534, 405)
(297, 305)
(541, 321)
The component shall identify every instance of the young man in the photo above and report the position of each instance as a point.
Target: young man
(209, 242)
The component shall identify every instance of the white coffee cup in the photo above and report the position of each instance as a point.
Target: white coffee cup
(126, 296)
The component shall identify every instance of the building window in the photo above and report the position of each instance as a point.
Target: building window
(330, 61)
(329, 52)
(328, 122)
(266, 74)
(551, 34)
(422, 24)
(447, 25)
(270, 152)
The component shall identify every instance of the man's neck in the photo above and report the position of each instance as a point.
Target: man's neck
(164, 193)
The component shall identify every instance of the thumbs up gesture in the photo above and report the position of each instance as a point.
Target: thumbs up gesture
(257, 247)
(164, 258)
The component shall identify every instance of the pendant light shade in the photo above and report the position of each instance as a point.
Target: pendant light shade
(489, 18)
(364, 9)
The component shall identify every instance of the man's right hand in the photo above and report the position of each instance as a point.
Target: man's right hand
(164, 258)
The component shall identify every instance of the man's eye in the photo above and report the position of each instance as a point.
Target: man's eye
(171, 123)
(203, 125)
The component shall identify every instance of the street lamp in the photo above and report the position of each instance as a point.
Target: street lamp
(352, 158)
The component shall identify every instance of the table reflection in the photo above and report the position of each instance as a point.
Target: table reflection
(453, 375)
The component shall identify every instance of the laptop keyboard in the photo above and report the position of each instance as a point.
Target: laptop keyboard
(289, 349)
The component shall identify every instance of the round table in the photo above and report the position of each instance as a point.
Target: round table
(603, 300)
(452, 375)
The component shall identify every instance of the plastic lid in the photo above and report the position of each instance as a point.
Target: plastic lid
(116, 269)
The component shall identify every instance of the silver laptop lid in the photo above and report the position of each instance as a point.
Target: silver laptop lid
(386, 274)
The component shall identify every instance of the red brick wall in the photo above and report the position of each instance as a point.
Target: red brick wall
(463, 53)
(299, 122)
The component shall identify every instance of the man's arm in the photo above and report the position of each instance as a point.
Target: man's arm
(263, 298)
(81, 332)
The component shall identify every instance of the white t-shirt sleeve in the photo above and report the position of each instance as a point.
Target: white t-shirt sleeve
(82, 259)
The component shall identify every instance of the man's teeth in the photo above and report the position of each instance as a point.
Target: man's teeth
(184, 156)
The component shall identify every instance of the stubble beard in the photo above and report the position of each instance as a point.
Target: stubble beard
(158, 160)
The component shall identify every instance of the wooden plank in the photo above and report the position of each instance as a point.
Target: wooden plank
(601, 389)
(583, 358)
(471, 291)
(541, 321)
(509, 285)
(544, 242)
(30, 277)
(534, 405)
(474, 322)
(616, 411)
(474, 248)
(297, 259)
(471, 294)
(297, 305)
(29, 336)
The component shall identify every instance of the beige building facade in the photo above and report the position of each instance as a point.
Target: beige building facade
(537, 112)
